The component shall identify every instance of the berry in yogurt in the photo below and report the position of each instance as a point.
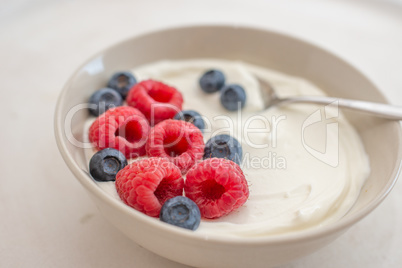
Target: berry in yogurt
(224, 146)
(105, 164)
(123, 128)
(104, 99)
(182, 212)
(233, 97)
(146, 184)
(191, 116)
(178, 141)
(156, 100)
(122, 82)
(212, 81)
(218, 186)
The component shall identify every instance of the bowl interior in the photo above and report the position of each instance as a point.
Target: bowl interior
(381, 138)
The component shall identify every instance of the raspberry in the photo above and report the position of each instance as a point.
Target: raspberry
(146, 184)
(218, 186)
(156, 100)
(178, 141)
(123, 128)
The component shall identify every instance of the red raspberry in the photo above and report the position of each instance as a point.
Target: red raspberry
(218, 186)
(156, 100)
(146, 184)
(180, 142)
(123, 128)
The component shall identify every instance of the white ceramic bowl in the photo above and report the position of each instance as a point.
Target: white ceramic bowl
(382, 139)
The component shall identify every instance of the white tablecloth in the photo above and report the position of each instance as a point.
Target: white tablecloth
(46, 218)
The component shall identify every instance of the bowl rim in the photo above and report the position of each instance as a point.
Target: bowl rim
(297, 236)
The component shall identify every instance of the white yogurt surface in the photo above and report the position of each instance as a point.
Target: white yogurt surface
(305, 164)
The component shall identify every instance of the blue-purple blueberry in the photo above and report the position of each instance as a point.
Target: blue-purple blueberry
(105, 164)
(122, 82)
(104, 99)
(212, 81)
(233, 97)
(191, 117)
(182, 212)
(224, 146)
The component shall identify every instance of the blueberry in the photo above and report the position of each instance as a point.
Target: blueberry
(233, 95)
(192, 117)
(212, 81)
(224, 146)
(104, 99)
(182, 212)
(122, 82)
(105, 164)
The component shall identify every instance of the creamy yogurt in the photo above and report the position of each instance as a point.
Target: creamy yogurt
(305, 164)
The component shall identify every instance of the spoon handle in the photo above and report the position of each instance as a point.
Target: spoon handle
(376, 109)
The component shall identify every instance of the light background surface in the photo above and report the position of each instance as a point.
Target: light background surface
(46, 218)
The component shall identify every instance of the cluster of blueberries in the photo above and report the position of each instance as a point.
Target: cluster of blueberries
(233, 96)
(105, 164)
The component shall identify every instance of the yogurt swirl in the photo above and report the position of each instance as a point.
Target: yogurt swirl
(305, 164)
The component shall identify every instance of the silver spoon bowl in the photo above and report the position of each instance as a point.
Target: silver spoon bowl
(270, 99)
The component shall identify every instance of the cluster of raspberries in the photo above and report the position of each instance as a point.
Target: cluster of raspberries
(173, 149)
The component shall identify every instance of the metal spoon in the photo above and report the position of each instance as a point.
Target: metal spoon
(377, 109)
